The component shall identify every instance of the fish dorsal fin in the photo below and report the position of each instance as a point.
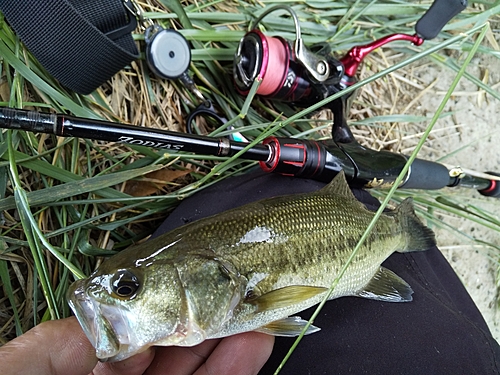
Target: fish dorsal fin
(288, 327)
(338, 186)
(387, 286)
(285, 297)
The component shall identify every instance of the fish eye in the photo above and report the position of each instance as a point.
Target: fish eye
(125, 284)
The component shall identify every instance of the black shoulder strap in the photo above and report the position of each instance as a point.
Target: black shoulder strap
(82, 43)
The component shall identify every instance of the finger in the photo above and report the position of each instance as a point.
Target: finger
(51, 348)
(242, 354)
(176, 360)
(135, 365)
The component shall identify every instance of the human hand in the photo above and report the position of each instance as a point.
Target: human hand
(61, 348)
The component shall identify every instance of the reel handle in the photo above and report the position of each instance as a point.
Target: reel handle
(438, 15)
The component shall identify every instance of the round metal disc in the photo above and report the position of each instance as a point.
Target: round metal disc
(168, 54)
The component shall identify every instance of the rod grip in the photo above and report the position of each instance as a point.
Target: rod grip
(438, 15)
(427, 175)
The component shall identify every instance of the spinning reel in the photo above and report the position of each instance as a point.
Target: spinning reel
(290, 71)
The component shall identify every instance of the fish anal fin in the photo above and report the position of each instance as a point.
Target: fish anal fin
(387, 286)
(288, 327)
(285, 297)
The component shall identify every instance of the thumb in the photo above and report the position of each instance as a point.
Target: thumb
(56, 347)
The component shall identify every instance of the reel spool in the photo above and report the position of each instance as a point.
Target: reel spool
(288, 70)
(271, 59)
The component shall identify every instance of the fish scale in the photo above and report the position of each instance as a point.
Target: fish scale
(249, 268)
(311, 237)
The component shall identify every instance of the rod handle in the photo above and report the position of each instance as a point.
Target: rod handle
(428, 175)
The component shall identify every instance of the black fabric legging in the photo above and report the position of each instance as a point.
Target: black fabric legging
(440, 332)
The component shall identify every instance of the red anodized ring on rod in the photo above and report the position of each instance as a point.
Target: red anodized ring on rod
(489, 189)
(274, 157)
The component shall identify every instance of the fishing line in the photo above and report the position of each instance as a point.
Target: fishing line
(275, 57)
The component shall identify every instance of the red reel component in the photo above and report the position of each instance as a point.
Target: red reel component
(356, 54)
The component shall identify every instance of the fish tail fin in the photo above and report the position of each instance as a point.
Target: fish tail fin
(418, 236)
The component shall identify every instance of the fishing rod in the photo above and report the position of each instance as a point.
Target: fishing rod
(298, 75)
(320, 160)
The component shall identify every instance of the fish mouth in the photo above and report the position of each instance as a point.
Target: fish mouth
(96, 326)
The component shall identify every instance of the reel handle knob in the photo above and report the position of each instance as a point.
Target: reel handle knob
(438, 15)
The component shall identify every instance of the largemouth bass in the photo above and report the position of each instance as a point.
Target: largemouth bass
(249, 268)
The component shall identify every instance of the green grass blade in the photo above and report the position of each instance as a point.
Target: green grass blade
(7, 287)
(27, 73)
(38, 256)
(82, 185)
(391, 192)
(30, 223)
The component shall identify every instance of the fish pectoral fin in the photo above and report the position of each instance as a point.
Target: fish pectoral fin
(288, 327)
(284, 297)
(387, 286)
